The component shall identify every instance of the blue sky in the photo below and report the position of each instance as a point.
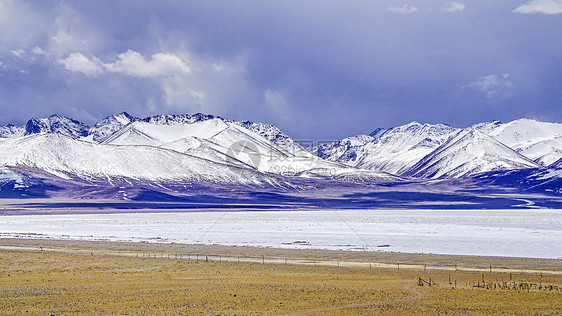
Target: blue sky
(284, 62)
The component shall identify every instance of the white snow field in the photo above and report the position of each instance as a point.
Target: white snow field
(512, 233)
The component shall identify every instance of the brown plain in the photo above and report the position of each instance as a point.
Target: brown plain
(84, 280)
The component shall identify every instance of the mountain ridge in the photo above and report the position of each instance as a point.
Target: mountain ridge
(179, 158)
(538, 141)
(401, 150)
(466, 153)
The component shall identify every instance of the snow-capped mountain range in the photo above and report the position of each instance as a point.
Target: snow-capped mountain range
(164, 149)
(200, 148)
(441, 151)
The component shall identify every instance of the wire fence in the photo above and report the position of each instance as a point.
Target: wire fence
(489, 278)
(205, 257)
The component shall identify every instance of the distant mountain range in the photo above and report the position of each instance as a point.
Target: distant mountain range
(441, 151)
(182, 151)
(163, 148)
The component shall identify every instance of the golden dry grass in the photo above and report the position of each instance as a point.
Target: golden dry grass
(59, 283)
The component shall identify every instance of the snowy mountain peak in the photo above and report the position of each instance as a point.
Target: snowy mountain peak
(400, 147)
(180, 119)
(9, 131)
(393, 150)
(426, 128)
(110, 125)
(57, 124)
(539, 141)
(466, 153)
(271, 133)
(378, 132)
(36, 126)
(344, 151)
(124, 118)
(68, 158)
(486, 127)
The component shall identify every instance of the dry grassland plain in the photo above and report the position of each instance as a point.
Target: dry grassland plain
(83, 278)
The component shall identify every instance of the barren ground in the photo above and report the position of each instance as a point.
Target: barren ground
(79, 278)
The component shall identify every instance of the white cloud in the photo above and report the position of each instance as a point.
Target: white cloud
(39, 51)
(403, 9)
(134, 64)
(68, 32)
(129, 63)
(540, 6)
(77, 62)
(180, 89)
(453, 7)
(225, 67)
(276, 103)
(494, 86)
(21, 24)
(19, 53)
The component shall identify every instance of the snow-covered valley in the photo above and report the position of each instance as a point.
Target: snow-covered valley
(512, 233)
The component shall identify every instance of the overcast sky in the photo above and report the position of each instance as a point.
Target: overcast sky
(284, 62)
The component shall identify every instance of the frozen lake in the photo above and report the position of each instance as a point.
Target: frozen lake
(514, 233)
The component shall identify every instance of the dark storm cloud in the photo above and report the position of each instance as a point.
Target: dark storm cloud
(283, 62)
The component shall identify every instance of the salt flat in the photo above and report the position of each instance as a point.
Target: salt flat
(510, 233)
